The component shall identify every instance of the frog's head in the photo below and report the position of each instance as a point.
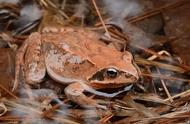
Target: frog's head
(114, 70)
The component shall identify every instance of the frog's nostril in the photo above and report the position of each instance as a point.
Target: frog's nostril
(128, 75)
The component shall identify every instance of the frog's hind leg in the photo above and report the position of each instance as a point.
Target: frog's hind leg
(19, 60)
(74, 92)
(30, 56)
(34, 63)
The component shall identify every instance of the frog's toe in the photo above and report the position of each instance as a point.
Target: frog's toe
(74, 92)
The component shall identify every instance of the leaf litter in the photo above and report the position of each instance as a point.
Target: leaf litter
(145, 28)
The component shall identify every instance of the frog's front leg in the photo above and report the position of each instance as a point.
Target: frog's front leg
(74, 92)
(30, 56)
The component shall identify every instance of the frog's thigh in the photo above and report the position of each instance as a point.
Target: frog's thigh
(34, 60)
(21, 53)
(75, 93)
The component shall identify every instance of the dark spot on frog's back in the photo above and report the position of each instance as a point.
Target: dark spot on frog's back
(82, 67)
(75, 68)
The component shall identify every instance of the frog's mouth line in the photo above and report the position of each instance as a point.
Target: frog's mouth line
(99, 93)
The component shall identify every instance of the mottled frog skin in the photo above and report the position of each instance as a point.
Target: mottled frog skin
(76, 57)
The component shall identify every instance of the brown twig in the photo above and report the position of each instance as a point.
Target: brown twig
(10, 93)
(101, 19)
(157, 11)
(165, 87)
(106, 118)
(13, 118)
(187, 92)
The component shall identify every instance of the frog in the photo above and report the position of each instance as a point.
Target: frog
(75, 57)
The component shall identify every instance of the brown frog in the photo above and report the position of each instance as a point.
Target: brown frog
(77, 57)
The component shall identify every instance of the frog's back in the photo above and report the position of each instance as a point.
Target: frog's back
(79, 41)
(84, 43)
(70, 53)
(82, 52)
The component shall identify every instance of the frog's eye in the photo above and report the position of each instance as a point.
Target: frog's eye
(111, 73)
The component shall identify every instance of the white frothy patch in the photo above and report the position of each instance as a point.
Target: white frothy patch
(31, 12)
(81, 9)
(122, 8)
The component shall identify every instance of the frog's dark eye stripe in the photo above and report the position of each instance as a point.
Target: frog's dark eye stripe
(109, 73)
(98, 76)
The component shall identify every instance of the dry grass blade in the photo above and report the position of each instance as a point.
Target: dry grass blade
(9, 40)
(12, 118)
(139, 108)
(7, 91)
(63, 120)
(3, 109)
(157, 11)
(149, 98)
(122, 110)
(165, 87)
(170, 67)
(183, 94)
(148, 51)
(20, 106)
(106, 118)
(170, 118)
(164, 77)
(49, 4)
(32, 111)
(87, 114)
(101, 19)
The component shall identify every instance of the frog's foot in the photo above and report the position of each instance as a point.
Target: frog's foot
(75, 91)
